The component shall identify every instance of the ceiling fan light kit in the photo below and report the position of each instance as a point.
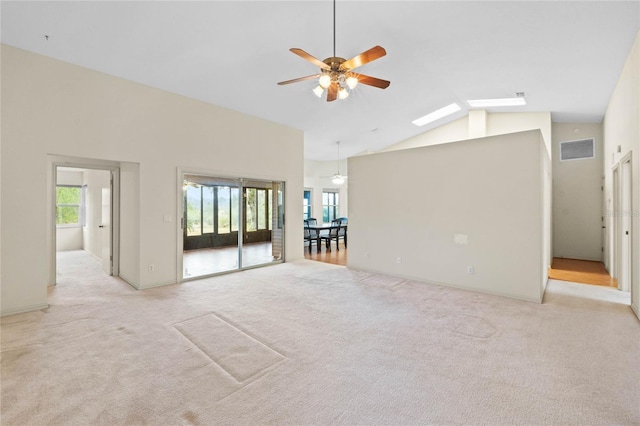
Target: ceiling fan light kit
(336, 74)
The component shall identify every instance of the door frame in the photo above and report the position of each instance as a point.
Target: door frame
(618, 170)
(56, 161)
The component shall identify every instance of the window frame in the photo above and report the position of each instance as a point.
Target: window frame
(309, 207)
(81, 207)
(334, 196)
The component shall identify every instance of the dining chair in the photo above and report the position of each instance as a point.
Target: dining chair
(311, 234)
(342, 233)
(333, 234)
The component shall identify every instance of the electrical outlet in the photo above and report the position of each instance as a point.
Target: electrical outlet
(470, 270)
(398, 260)
(152, 268)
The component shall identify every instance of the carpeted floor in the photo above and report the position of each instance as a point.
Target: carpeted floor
(312, 343)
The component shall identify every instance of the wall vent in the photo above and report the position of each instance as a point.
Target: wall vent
(577, 150)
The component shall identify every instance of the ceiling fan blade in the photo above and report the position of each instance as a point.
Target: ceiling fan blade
(295, 80)
(332, 93)
(363, 58)
(372, 81)
(313, 60)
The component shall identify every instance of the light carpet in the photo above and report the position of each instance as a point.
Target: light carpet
(313, 344)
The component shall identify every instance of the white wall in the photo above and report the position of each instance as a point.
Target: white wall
(69, 238)
(52, 107)
(621, 127)
(487, 194)
(577, 195)
(315, 178)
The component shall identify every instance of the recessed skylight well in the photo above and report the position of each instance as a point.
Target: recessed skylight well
(437, 115)
(484, 103)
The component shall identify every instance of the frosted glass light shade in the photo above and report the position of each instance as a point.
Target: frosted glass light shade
(324, 81)
(342, 93)
(318, 91)
(352, 82)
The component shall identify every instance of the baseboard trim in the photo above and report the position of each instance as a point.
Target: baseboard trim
(458, 286)
(24, 309)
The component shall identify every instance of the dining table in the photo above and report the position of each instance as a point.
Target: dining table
(327, 227)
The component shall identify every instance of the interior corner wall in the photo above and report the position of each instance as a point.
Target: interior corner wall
(577, 195)
(53, 107)
(317, 177)
(446, 208)
(621, 128)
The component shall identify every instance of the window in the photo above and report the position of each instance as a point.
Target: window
(330, 203)
(306, 206)
(257, 209)
(70, 205)
(211, 209)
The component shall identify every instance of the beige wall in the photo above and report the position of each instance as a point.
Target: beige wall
(577, 195)
(442, 209)
(52, 107)
(621, 127)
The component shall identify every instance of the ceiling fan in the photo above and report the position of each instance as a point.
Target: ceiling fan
(337, 178)
(336, 74)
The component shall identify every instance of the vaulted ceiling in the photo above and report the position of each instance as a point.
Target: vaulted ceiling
(565, 55)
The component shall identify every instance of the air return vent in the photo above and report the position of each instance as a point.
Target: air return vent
(577, 150)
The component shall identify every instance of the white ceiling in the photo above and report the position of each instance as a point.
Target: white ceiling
(566, 56)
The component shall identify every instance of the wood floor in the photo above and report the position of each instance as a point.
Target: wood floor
(581, 271)
(335, 257)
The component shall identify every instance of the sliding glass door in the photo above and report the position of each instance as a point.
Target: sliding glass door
(230, 224)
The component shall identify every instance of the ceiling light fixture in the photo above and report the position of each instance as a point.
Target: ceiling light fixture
(437, 115)
(338, 179)
(336, 74)
(484, 103)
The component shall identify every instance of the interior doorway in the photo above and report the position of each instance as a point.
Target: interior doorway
(85, 217)
(228, 224)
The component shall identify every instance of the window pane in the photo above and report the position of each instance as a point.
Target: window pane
(67, 215)
(68, 204)
(262, 209)
(224, 210)
(207, 209)
(193, 211)
(306, 203)
(235, 196)
(325, 214)
(251, 210)
(67, 195)
(325, 198)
